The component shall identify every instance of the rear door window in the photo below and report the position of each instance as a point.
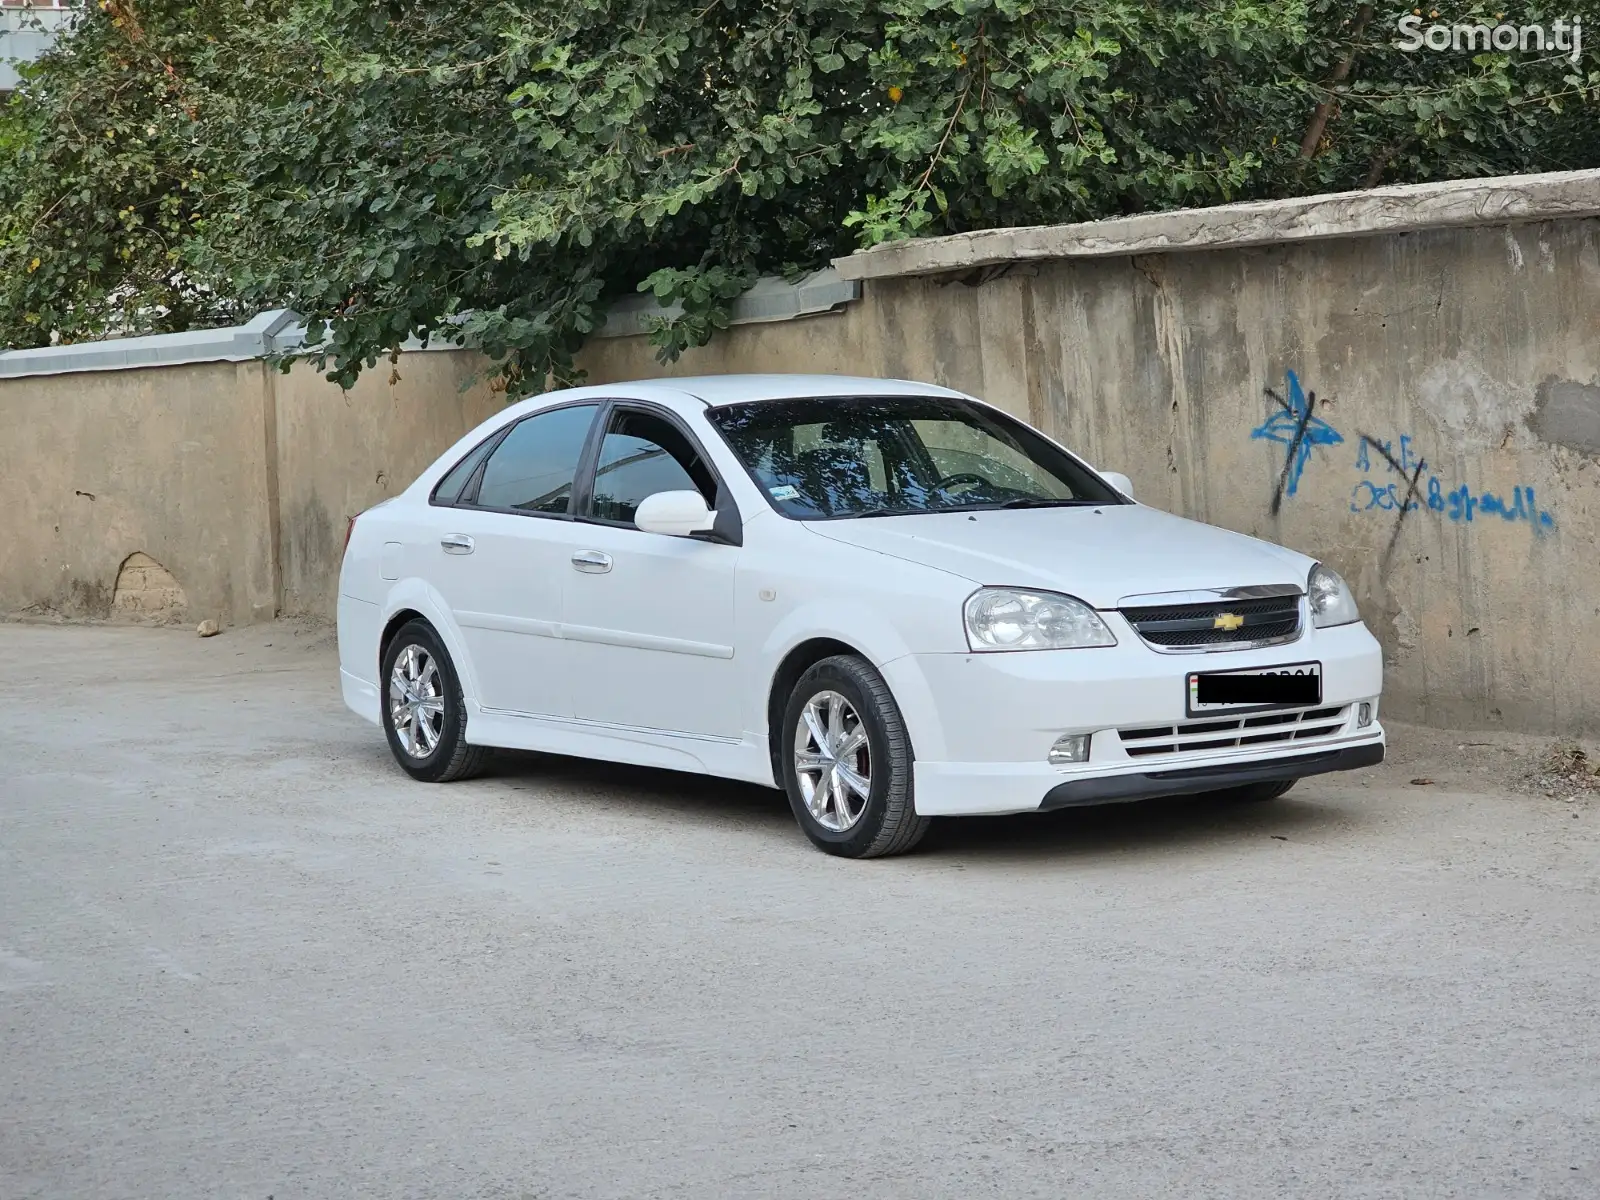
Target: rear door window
(532, 470)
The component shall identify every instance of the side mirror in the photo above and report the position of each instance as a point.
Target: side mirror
(1119, 481)
(677, 514)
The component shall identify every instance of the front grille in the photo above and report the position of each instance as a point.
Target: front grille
(1194, 626)
(1300, 725)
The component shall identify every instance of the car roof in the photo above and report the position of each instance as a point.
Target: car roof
(714, 390)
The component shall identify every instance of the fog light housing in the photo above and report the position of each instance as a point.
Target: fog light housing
(1070, 748)
(1363, 714)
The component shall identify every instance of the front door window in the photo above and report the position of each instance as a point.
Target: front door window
(643, 454)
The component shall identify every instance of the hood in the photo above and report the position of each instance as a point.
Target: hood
(1099, 555)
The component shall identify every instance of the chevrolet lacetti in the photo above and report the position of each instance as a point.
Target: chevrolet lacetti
(888, 599)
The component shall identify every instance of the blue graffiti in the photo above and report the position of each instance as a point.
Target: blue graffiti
(1295, 426)
(1405, 462)
(1368, 495)
(1459, 505)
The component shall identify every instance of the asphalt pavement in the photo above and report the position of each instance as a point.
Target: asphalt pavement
(241, 955)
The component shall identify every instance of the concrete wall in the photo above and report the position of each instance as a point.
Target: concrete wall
(1444, 386)
(341, 452)
(233, 478)
(1470, 355)
(169, 462)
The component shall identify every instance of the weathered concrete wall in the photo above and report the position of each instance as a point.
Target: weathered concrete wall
(233, 479)
(341, 452)
(1242, 387)
(1443, 390)
(1421, 410)
(169, 462)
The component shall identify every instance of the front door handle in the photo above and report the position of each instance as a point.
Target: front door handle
(592, 561)
(456, 543)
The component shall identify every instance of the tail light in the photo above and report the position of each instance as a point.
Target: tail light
(349, 528)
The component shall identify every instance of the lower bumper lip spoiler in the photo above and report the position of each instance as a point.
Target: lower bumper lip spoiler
(1189, 780)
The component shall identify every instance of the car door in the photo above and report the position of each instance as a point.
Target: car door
(503, 548)
(649, 617)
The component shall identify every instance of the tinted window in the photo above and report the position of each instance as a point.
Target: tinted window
(449, 488)
(533, 468)
(853, 456)
(957, 449)
(643, 454)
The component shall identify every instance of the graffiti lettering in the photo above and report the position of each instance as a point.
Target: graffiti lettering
(1459, 505)
(1405, 462)
(1395, 475)
(1404, 504)
(1368, 495)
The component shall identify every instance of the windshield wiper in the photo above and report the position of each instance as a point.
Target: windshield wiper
(1041, 502)
(1024, 502)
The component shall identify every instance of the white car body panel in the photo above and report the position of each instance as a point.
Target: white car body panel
(662, 618)
(668, 657)
(505, 600)
(1098, 555)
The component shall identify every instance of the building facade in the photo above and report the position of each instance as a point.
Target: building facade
(27, 27)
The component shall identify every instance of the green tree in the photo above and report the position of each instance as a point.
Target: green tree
(102, 179)
(502, 172)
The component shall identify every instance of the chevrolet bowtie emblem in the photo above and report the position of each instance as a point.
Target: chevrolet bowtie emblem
(1227, 621)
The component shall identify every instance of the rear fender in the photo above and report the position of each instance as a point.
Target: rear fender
(420, 597)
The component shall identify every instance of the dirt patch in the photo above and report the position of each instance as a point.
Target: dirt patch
(1566, 772)
(1509, 764)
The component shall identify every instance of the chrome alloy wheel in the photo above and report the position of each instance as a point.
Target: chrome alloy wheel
(833, 761)
(416, 701)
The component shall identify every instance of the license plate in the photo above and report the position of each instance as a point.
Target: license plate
(1293, 685)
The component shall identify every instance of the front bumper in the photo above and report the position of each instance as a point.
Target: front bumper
(982, 725)
(1186, 781)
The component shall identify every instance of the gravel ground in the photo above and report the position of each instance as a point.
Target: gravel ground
(242, 956)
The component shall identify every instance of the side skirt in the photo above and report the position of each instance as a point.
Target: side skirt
(727, 758)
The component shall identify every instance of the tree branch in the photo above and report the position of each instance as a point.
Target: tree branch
(1321, 115)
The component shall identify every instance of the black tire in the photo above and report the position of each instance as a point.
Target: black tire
(450, 757)
(887, 822)
(1256, 793)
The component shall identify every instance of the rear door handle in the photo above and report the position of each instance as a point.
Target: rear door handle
(592, 561)
(456, 543)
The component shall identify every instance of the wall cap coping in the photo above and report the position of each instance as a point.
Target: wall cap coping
(1403, 208)
(281, 331)
(770, 299)
(273, 332)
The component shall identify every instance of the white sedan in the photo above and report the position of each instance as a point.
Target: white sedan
(888, 599)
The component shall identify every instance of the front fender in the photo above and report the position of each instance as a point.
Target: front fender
(876, 639)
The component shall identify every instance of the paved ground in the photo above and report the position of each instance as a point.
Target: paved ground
(242, 956)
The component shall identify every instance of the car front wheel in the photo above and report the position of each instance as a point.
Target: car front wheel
(423, 712)
(847, 762)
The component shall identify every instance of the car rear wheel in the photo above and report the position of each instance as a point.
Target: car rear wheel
(1255, 793)
(424, 716)
(847, 762)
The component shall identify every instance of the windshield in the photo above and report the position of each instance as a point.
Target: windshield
(889, 455)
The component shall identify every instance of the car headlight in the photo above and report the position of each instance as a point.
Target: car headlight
(1331, 601)
(1017, 619)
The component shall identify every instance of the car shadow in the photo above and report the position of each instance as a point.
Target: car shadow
(1090, 832)
(1103, 830)
(621, 786)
